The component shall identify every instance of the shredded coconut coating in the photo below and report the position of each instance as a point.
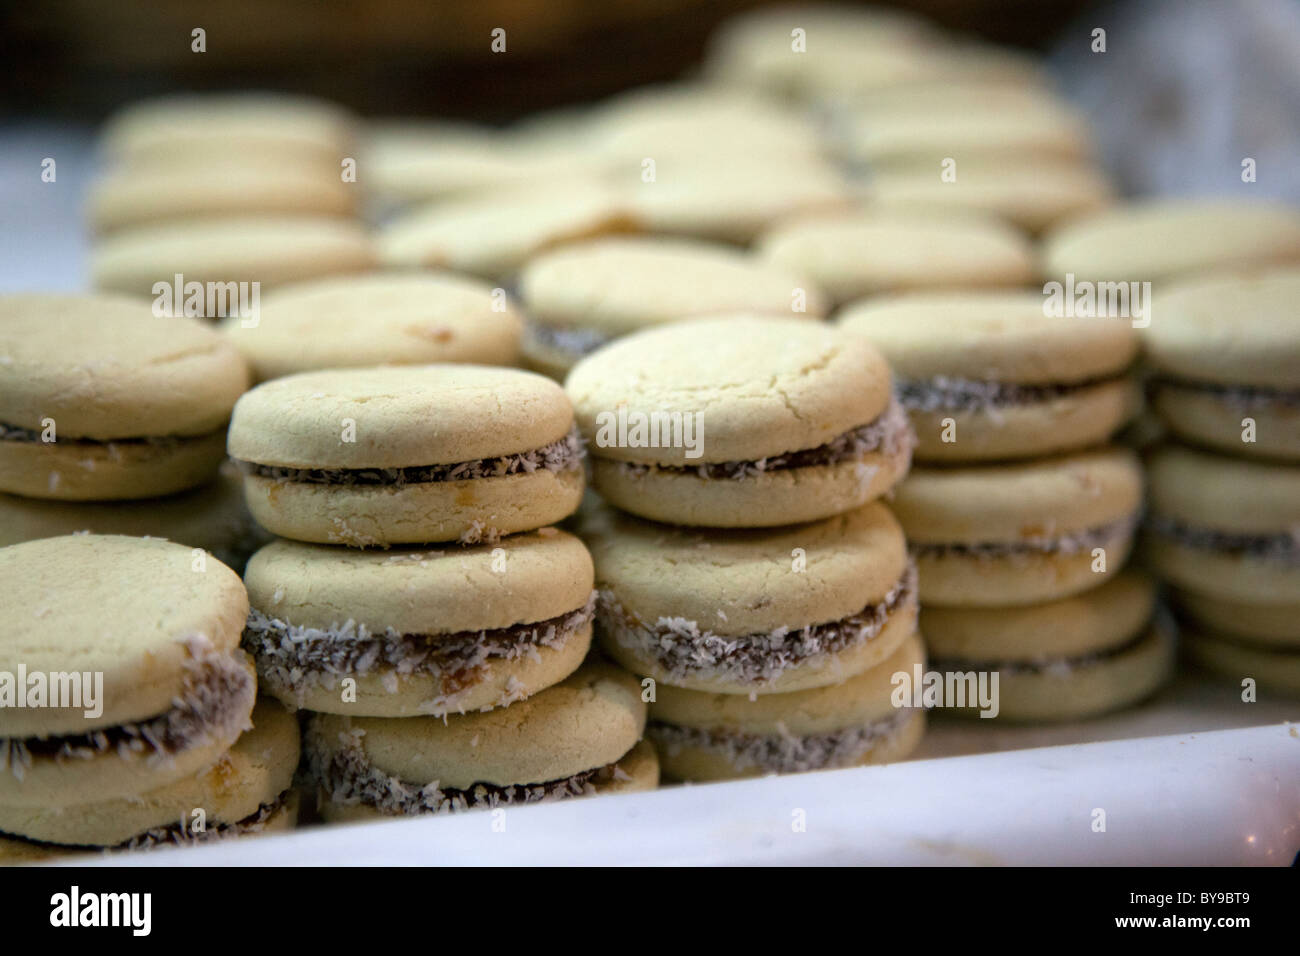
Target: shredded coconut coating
(343, 774)
(1280, 548)
(177, 835)
(889, 434)
(684, 650)
(1053, 666)
(781, 753)
(943, 393)
(573, 341)
(1074, 542)
(566, 454)
(217, 687)
(1238, 396)
(300, 658)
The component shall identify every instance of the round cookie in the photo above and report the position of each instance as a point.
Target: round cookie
(1023, 532)
(1225, 353)
(584, 295)
(1225, 527)
(268, 250)
(701, 736)
(269, 127)
(407, 454)
(493, 234)
(355, 321)
(740, 422)
(137, 643)
(418, 632)
(851, 256)
(101, 400)
(236, 793)
(1266, 625)
(753, 611)
(1272, 668)
(216, 187)
(569, 740)
(998, 378)
(1155, 240)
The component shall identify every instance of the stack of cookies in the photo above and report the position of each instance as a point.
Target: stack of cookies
(1019, 517)
(420, 606)
(750, 576)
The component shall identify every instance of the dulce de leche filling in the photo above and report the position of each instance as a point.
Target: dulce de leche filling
(943, 393)
(1072, 542)
(1279, 548)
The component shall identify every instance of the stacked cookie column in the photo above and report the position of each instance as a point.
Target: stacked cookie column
(1020, 518)
(747, 573)
(449, 675)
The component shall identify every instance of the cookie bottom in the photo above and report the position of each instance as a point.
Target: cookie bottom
(1213, 419)
(1272, 668)
(1221, 574)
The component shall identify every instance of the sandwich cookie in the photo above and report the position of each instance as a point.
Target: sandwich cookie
(147, 630)
(868, 253)
(1159, 239)
(1240, 640)
(405, 632)
(702, 737)
(100, 400)
(585, 295)
(1225, 527)
(407, 454)
(232, 252)
(753, 611)
(355, 321)
(1271, 668)
(580, 737)
(740, 422)
(1225, 353)
(1020, 533)
(493, 234)
(986, 375)
(247, 790)
(1067, 659)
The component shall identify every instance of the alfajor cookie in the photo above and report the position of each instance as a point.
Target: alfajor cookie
(1023, 532)
(987, 375)
(227, 252)
(493, 234)
(1271, 668)
(582, 296)
(1225, 358)
(1068, 659)
(703, 736)
(867, 253)
(1225, 527)
(1239, 639)
(120, 668)
(101, 400)
(405, 632)
(390, 319)
(579, 737)
(248, 790)
(407, 454)
(740, 422)
(753, 611)
(1155, 240)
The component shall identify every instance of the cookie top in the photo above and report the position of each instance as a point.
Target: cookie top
(137, 610)
(736, 582)
(270, 250)
(619, 285)
(1019, 502)
(389, 319)
(989, 336)
(586, 721)
(1159, 239)
(763, 386)
(1229, 329)
(404, 416)
(524, 578)
(1233, 495)
(493, 234)
(274, 126)
(104, 367)
(1102, 617)
(872, 252)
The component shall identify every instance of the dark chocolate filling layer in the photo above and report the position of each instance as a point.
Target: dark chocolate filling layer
(1239, 396)
(343, 774)
(570, 340)
(566, 454)
(683, 650)
(31, 435)
(890, 433)
(961, 394)
(1073, 542)
(1055, 666)
(1282, 547)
